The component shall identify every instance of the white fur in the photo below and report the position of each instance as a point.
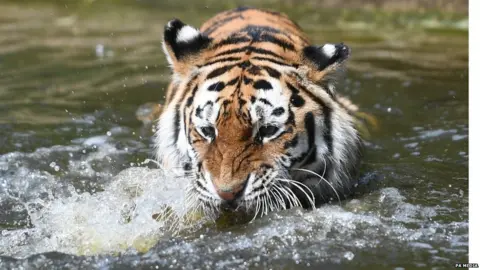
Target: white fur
(276, 97)
(210, 187)
(329, 50)
(167, 151)
(208, 115)
(187, 33)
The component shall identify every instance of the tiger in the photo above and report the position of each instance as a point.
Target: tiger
(252, 116)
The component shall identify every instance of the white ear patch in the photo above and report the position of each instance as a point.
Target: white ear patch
(187, 33)
(329, 50)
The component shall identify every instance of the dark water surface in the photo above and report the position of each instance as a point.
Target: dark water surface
(73, 75)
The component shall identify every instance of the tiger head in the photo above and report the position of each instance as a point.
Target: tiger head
(252, 123)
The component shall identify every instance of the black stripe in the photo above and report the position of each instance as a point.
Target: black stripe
(187, 88)
(244, 64)
(262, 84)
(327, 115)
(309, 157)
(219, 71)
(292, 143)
(327, 89)
(272, 39)
(218, 86)
(254, 70)
(295, 99)
(291, 117)
(176, 123)
(272, 60)
(309, 122)
(231, 40)
(200, 185)
(233, 81)
(231, 51)
(271, 71)
(226, 59)
(278, 111)
(266, 102)
(198, 112)
(241, 102)
(190, 98)
(327, 131)
(263, 51)
(247, 80)
(249, 49)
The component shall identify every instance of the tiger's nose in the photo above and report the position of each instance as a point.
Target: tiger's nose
(230, 193)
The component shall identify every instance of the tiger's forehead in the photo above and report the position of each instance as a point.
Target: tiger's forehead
(251, 94)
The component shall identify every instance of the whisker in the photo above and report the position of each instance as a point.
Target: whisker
(288, 195)
(256, 211)
(278, 197)
(322, 178)
(302, 188)
(268, 198)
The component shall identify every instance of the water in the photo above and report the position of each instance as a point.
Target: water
(72, 77)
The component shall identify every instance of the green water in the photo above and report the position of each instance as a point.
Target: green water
(73, 71)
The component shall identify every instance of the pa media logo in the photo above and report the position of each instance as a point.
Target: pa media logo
(466, 265)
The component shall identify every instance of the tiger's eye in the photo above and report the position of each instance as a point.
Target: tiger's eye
(267, 131)
(208, 132)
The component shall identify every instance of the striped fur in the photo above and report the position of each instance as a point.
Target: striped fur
(252, 115)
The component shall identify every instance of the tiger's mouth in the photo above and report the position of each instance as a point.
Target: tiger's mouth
(257, 198)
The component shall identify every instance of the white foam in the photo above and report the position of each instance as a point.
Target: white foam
(111, 221)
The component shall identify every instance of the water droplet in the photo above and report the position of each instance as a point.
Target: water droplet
(109, 133)
(349, 255)
(52, 164)
(100, 50)
(296, 257)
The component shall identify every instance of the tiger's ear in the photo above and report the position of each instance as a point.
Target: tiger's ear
(324, 61)
(182, 45)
